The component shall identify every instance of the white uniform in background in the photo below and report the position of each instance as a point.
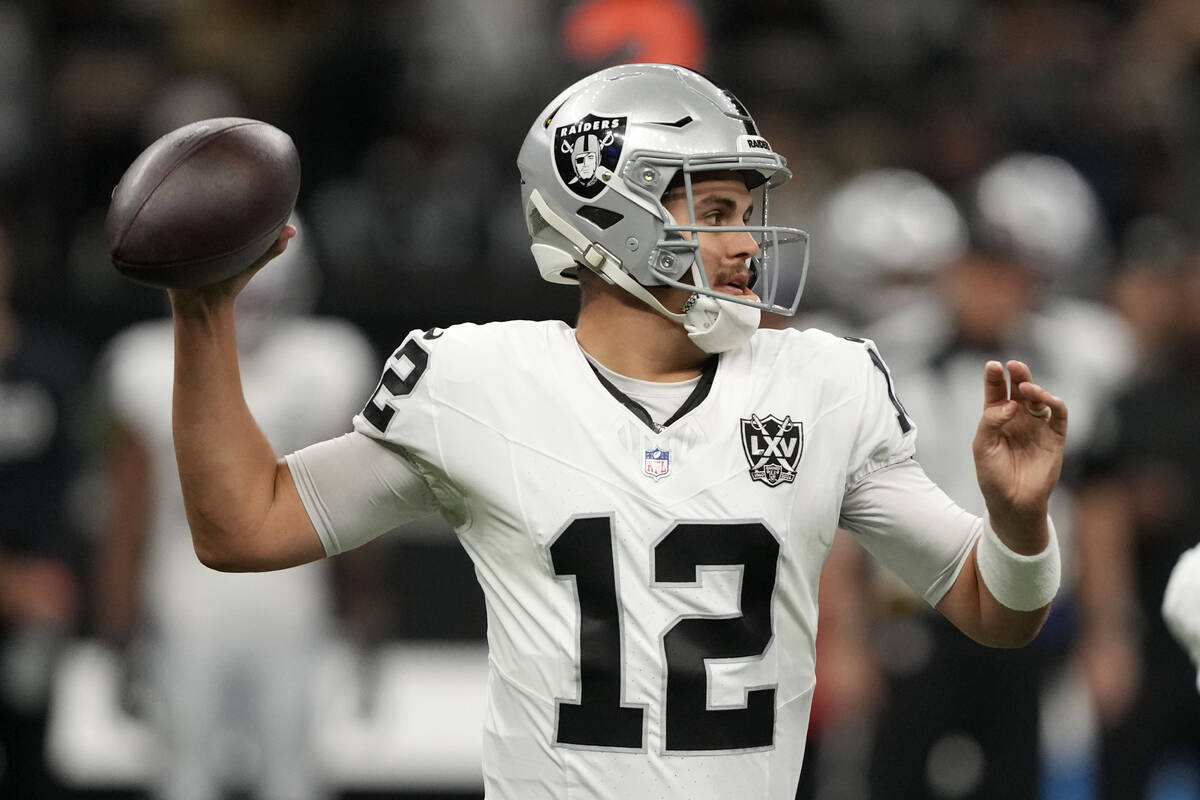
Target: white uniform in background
(1081, 348)
(651, 589)
(232, 655)
(1181, 604)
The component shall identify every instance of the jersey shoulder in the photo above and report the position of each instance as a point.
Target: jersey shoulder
(488, 372)
(811, 340)
(834, 369)
(493, 352)
(836, 358)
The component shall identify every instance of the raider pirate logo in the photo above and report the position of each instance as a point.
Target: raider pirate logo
(585, 149)
(772, 447)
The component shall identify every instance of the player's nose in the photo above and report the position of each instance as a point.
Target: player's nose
(740, 246)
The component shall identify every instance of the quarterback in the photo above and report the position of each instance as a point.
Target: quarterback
(649, 496)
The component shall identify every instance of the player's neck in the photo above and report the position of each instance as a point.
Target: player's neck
(632, 340)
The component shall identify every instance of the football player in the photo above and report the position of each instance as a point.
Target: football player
(649, 496)
(226, 656)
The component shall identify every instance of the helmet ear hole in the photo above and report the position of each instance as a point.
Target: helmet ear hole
(602, 218)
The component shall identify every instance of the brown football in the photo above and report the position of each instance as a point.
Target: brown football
(203, 202)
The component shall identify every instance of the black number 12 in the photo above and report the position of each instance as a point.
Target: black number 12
(584, 551)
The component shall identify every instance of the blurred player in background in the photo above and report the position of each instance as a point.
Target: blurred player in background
(231, 659)
(881, 240)
(962, 721)
(649, 497)
(1139, 511)
(41, 376)
(1181, 604)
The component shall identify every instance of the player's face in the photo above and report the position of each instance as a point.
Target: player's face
(721, 199)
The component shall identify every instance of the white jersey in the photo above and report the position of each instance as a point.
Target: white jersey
(651, 590)
(299, 381)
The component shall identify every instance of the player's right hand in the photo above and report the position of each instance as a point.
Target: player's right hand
(206, 299)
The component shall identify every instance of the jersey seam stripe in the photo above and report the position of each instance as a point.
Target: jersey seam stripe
(526, 523)
(499, 672)
(886, 465)
(442, 465)
(799, 696)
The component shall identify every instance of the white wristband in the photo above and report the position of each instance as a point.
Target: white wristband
(1019, 582)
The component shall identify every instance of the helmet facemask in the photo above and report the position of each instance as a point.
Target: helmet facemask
(780, 267)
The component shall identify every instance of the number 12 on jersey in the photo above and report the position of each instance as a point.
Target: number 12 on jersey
(584, 551)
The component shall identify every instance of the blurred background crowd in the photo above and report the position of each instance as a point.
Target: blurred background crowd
(981, 178)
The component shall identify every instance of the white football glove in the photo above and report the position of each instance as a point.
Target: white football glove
(1181, 604)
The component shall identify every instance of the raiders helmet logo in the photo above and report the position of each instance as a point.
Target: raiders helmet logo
(586, 153)
(773, 447)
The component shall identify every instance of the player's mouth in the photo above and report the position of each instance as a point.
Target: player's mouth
(737, 284)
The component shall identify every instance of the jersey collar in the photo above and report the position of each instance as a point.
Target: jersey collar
(694, 399)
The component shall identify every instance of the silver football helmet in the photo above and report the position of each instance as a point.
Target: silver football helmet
(597, 162)
(1042, 210)
(884, 235)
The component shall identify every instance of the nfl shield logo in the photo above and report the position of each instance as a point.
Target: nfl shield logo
(587, 151)
(773, 447)
(658, 463)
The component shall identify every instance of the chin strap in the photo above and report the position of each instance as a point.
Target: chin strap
(713, 325)
(716, 325)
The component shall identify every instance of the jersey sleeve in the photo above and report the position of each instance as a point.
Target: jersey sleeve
(909, 525)
(387, 471)
(355, 488)
(428, 375)
(886, 435)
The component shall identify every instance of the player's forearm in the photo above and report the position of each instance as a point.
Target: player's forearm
(1017, 562)
(1001, 626)
(1002, 595)
(227, 469)
(972, 607)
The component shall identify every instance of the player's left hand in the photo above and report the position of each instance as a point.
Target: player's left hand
(1018, 446)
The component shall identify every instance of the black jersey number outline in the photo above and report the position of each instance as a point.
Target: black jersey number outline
(396, 385)
(583, 550)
